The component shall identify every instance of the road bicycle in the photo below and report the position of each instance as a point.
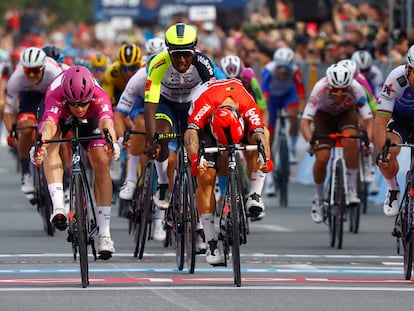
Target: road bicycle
(82, 216)
(403, 226)
(337, 199)
(233, 219)
(41, 196)
(281, 157)
(182, 217)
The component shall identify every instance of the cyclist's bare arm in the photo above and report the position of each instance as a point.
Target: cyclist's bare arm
(191, 142)
(305, 128)
(119, 120)
(380, 130)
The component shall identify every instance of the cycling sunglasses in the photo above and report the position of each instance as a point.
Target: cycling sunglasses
(182, 53)
(339, 91)
(34, 70)
(129, 68)
(79, 104)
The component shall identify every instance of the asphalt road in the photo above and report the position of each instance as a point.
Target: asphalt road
(287, 264)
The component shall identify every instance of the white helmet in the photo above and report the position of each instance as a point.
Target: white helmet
(339, 76)
(351, 64)
(284, 56)
(362, 58)
(410, 56)
(33, 57)
(232, 66)
(155, 45)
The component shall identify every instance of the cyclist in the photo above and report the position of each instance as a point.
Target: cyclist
(25, 93)
(6, 69)
(233, 67)
(394, 119)
(172, 78)
(99, 63)
(283, 87)
(154, 46)
(76, 94)
(234, 117)
(332, 108)
(371, 72)
(131, 104)
(120, 71)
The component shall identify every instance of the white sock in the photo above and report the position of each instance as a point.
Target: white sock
(318, 191)
(352, 177)
(57, 197)
(162, 171)
(159, 213)
(392, 184)
(133, 162)
(257, 180)
(208, 223)
(103, 219)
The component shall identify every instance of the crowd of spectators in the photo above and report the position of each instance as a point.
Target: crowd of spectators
(263, 30)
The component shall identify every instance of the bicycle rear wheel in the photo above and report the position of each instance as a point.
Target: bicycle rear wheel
(235, 232)
(407, 238)
(81, 232)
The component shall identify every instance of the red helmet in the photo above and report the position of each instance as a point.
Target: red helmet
(78, 84)
(226, 125)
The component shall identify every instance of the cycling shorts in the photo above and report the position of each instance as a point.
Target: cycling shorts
(402, 127)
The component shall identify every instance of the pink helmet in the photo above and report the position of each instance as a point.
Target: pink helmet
(227, 126)
(78, 84)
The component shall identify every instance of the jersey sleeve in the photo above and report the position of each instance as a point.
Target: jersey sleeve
(156, 72)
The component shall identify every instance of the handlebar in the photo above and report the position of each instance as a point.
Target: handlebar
(128, 132)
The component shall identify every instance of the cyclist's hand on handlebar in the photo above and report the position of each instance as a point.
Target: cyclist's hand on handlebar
(11, 142)
(312, 147)
(196, 167)
(383, 163)
(115, 153)
(266, 167)
(37, 159)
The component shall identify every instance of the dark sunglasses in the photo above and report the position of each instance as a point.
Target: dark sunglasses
(35, 70)
(129, 68)
(181, 53)
(79, 104)
(96, 69)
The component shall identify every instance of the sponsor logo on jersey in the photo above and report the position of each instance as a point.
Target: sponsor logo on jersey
(253, 117)
(402, 81)
(388, 89)
(148, 85)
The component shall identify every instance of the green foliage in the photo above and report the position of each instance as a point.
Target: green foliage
(75, 10)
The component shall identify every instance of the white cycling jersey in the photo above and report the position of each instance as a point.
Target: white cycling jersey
(18, 82)
(320, 99)
(135, 88)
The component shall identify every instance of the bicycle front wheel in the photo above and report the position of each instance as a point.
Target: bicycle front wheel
(235, 239)
(407, 237)
(81, 232)
(189, 216)
(339, 203)
(283, 172)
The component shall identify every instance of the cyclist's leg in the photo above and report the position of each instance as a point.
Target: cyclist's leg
(348, 124)
(324, 124)
(100, 163)
(53, 169)
(272, 111)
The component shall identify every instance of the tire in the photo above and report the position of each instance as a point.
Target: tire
(44, 203)
(145, 206)
(407, 238)
(234, 211)
(339, 202)
(190, 225)
(354, 211)
(82, 237)
(282, 171)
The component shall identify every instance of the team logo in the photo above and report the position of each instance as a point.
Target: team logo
(388, 89)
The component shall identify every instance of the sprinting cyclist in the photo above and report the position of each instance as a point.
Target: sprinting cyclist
(172, 78)
(333, 107)
(233, 67)
(76, 94)
(26, 88)
(57, 54)
(234, 117)
(394, 119)
(99, 63)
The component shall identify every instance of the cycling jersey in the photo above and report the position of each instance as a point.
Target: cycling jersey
(274, 86)
(56, 109)
(320, 99)
(250, 82)
(18, 83)
(132, 97)
(164, 80)
(397, 95)
(212, 94)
